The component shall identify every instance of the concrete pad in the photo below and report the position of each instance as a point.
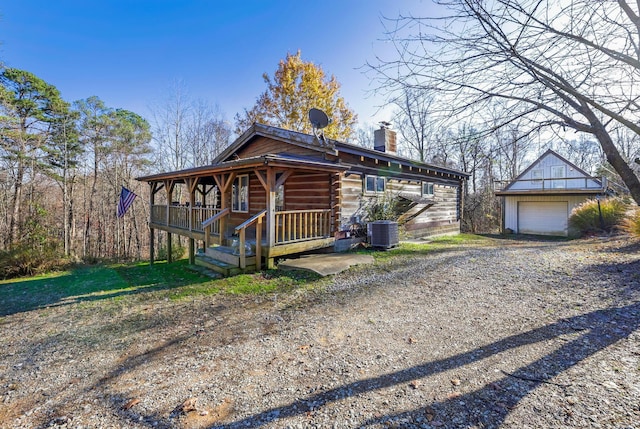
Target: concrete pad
(325, 264)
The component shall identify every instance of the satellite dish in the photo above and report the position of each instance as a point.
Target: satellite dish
(318, 118)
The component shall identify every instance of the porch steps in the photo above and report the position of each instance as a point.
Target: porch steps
(217, 266)
(205, 271)
(222, 260)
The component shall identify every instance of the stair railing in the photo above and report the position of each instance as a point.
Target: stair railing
(207, 225)
(241, 229)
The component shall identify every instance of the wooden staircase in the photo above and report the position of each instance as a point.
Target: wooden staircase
(222, 260)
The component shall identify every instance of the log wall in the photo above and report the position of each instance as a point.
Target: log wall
(303, 191)
(442, 217)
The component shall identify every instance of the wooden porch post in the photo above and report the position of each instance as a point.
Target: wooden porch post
(191, 184)
(169, 185)
(271, 214)
(152, 198)
(259, 245)
(336, 202)
(224, 183)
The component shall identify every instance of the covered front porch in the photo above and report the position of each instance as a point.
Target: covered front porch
(246, 213)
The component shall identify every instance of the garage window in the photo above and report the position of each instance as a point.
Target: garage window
(537, 176)
(558, 171)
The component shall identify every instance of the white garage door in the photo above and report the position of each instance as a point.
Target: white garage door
(543, 217)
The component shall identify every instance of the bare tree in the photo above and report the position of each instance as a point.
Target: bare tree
(170, 129)
(414, 122)
(552, 65)
(364, 136)
(186, 132)
(207, 132)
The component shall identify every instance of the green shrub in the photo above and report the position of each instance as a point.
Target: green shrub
(177, 252)
(25, 260)
(591, 217)
(631, 224)
(383, 207)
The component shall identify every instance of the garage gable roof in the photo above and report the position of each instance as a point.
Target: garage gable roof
(550, 174)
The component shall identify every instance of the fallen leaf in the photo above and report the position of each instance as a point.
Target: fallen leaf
(414, 384)
(429, 413)
(131, 403)
(186, 407)
(412, 340)
(455, 382)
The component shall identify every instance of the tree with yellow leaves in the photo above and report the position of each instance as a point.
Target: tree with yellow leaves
(296, 87)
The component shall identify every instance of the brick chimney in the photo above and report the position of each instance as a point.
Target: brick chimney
(384, 139)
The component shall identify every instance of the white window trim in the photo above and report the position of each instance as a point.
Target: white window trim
(235, 200)
(375, 183)
(428, 194)
(561, 181)
(537, 175)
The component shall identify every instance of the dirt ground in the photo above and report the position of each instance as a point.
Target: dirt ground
(506, 333)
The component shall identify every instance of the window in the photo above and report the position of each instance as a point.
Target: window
(537, 175)
(240, 194)
(374, 184)
(427, 189)
(558, 172)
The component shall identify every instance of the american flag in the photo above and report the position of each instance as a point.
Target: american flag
(126, 198)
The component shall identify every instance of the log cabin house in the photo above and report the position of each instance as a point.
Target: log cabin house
(275, 192)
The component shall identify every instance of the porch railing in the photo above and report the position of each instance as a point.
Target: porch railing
(290, 226)
(202, 214)
(211, 225)
(241, 231)
(555, 183)
(183, 217)
(301, 225)
(159, 214)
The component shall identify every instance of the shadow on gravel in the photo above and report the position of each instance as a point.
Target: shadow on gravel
(479, 408)
(633, 248)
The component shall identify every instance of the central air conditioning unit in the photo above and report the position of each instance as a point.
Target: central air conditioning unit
(383, 233)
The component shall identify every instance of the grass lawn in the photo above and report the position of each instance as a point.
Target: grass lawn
(115, 284)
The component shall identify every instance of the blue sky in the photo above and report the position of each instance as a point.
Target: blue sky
(130, 53)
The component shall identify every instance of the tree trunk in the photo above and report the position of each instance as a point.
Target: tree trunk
(14, 225)
(89, 214)
(614, 158)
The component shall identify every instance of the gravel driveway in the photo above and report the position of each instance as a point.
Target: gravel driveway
(507, 333)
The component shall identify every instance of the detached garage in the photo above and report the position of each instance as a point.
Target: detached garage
(540, 200)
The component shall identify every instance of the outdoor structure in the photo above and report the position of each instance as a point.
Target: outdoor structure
(540, 200)
(275, 192)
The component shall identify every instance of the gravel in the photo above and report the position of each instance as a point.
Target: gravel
(507, 333)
